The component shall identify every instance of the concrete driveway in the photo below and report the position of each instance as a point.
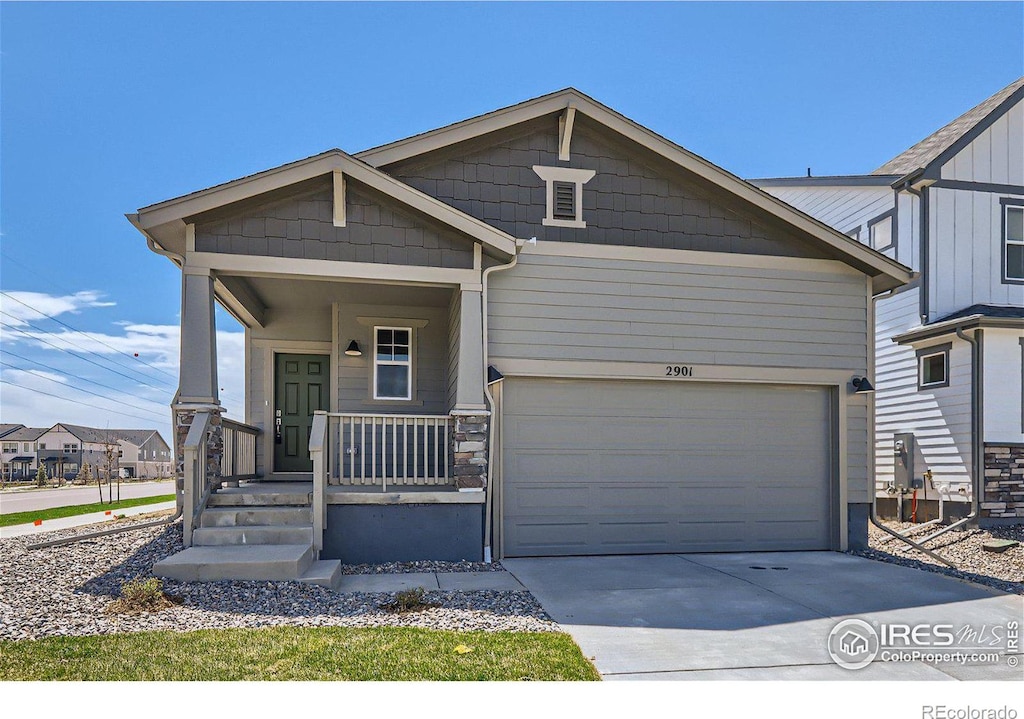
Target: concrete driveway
(756, 616)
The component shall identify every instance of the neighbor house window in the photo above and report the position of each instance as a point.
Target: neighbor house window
(26, 446)
(933, 367)
(70, 448)
(1013, 242)
(564, 192)
(10, 447)
(880, 232)
(854, 233)
(392, 363)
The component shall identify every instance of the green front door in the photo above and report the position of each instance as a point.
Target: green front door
(301, 386)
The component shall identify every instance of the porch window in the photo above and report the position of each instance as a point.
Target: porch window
(392, 363)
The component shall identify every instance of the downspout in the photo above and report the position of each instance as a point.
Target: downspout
(977, 438)
(490, 399)
(873, 513)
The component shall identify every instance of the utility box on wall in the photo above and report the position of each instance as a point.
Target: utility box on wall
(904, 452)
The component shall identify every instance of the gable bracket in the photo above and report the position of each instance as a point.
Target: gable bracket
(339, 198)
(565, 123)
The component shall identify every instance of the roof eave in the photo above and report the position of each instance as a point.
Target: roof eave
(940, 329)
(177, 209)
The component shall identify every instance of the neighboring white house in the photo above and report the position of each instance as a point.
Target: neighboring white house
(952, 208)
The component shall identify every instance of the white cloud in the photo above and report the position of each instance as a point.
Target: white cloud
(23, 307)
(147, 351)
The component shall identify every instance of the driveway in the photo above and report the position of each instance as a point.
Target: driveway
(755, 616)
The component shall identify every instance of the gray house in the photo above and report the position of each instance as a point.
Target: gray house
(542, 331)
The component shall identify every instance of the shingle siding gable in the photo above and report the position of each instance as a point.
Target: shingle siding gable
(302, 227)
(628, 202)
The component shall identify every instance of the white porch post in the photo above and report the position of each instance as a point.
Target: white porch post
(197, 383)
(469, 391)
(470, 419)
(197, 395)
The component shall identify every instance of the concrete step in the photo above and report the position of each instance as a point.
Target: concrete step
(235, 535)
(324, 572)
(231, 497)
(273, 562)
(256, 516)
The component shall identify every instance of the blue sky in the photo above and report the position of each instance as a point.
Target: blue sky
(107, 107)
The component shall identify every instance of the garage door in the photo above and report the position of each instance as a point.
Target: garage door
(624, 467)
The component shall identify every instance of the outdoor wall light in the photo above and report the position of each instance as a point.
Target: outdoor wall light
(861, 385)
(353, 349)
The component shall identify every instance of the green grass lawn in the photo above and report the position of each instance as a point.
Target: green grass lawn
(8, 520)
(298, 654)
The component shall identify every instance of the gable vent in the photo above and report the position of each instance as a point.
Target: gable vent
(565, 201)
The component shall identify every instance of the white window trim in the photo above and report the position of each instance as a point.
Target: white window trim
(923, 355)
(1007, 206)
(393, 363)
(573, 176)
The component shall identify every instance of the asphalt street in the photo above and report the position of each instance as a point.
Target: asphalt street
(26, 500)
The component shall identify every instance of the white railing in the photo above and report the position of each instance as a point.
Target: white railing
(197, 484)
(239, 458)
(382, 450)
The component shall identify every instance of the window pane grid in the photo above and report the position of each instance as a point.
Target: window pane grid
(392, 363)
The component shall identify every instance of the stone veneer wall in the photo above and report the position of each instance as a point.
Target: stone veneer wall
(183, 416)
(469, 450)
(1004, 481)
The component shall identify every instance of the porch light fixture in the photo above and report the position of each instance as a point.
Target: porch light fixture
(861, 385)
(353, 349)
(493, 375)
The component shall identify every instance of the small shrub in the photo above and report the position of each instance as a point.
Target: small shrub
(410, 600)
(142, 595)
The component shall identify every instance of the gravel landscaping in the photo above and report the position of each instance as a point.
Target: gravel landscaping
(65, 591)
(1000, 570)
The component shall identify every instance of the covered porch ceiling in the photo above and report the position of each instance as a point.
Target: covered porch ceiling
(263, 294)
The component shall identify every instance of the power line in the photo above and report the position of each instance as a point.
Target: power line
(70, 374)
(79, 389)
(68, 399)
(65, 349)
(87, 335)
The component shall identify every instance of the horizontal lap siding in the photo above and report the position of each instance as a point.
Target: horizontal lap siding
(593, 309)
(940, 418)
(844, 208)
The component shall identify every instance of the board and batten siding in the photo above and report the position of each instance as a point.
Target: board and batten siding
(995, 156)
(939, 418)
(1004, 393)
(965, 257)
(552, 307)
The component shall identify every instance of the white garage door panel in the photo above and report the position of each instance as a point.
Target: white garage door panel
(604, 466)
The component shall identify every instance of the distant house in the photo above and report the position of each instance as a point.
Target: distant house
(949, 347)
(18, 445)
(64, 448)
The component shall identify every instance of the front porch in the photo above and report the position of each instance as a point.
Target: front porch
(370, 468)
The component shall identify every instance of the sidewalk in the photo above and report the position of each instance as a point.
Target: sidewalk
(80, 520)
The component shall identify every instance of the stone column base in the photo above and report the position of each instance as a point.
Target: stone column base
(1003, 482)
(469, 450)
(183, 416)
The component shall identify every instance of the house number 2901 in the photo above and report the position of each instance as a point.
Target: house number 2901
(676, 370)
